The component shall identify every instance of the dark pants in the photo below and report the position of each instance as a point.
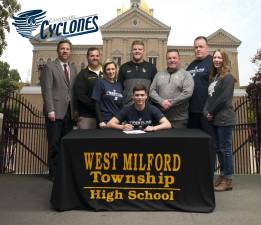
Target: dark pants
(55, 131)
(179, 123)
(198, 121)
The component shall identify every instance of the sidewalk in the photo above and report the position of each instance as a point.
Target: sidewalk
(24, 200)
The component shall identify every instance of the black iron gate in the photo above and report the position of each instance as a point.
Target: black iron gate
(23, 143)
(247, 135)
(23, 148)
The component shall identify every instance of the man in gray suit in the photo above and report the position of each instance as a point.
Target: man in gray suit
(57, 80)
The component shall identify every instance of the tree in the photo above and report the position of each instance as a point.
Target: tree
(254, 93)
(9, 79)
(6, 73)
(254, 87)
(14, 75)
(7, 9)
(4, 70)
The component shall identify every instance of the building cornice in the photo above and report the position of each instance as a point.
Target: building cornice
(233, 40)
(128, 13)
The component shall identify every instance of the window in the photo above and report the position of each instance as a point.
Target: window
(153, 60)
(40, 65)
(117, 59)
(41, 62)
(82, 65)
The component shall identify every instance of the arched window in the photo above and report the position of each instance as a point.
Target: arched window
(82, 65)
(41, 62)
(117, 59)
(152, 57)
(117, 56)
(153, 60)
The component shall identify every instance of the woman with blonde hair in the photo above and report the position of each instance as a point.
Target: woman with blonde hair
(219, 111)
(107, 94)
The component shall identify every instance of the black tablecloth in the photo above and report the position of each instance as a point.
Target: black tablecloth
(111, 170)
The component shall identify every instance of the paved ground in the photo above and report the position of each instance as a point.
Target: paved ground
(24, 200)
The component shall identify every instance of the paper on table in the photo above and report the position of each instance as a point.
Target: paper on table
(134, 131)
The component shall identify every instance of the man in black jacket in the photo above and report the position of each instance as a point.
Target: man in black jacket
(83, 87)
(199, 69)
(136, 71)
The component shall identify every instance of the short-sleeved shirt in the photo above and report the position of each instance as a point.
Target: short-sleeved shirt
(140, 119)
(110, 97)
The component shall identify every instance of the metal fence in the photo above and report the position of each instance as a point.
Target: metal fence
(23, 148)
(247, 136)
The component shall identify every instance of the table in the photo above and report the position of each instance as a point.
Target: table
(110, 170)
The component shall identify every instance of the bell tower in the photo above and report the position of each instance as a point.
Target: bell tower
(135, 3)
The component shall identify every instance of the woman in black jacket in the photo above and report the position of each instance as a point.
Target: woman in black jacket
(219, 111)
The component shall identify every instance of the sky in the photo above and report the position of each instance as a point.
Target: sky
(187, 19)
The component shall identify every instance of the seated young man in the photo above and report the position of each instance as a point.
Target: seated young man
(140, 115)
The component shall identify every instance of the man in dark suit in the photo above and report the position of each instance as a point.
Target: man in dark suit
(57, 80)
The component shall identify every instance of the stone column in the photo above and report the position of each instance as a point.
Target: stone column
(35, 73)
(105, 49)
(125, 50)
(163, 54)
